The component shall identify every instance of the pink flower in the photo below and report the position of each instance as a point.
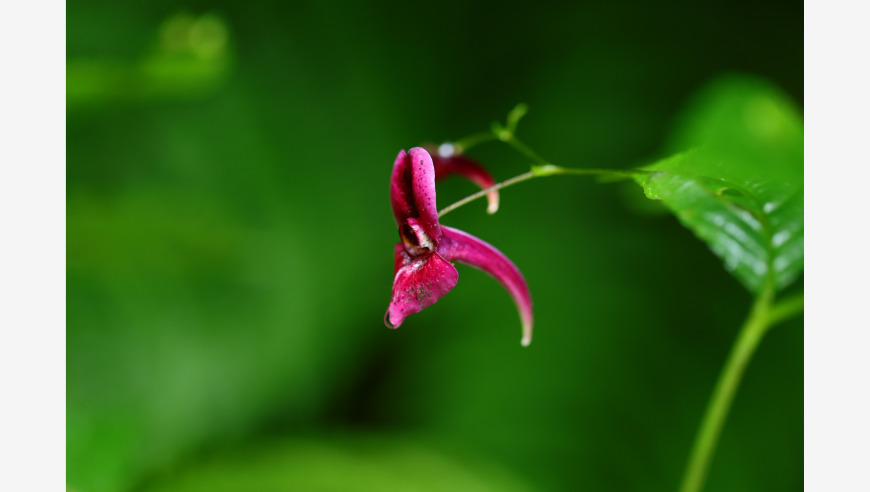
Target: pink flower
(423, 272)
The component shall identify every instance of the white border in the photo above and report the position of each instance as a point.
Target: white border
(837, 279)
(33, 245)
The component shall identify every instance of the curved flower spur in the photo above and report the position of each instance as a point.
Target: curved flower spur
(448, 162)
(423, 272)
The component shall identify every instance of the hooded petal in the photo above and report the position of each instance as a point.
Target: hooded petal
(419, 283)
(412, 190)
(462, 247)
(423, 173)
(446, 165)
(401, 193)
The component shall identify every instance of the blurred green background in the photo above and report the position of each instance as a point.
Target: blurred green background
(229, 250)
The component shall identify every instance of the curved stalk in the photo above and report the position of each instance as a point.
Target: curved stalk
(763, 315)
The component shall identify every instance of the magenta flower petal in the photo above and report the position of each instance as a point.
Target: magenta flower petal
(401, 192)
(412, 190)
(459, 246)
(419, 283)
(423, 185)
(464, 166)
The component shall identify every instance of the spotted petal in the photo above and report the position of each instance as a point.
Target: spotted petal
(412, 190)
(401, 193)
(465, 248)
(419, 283)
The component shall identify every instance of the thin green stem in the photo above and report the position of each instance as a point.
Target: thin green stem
(762, 316)
(786, 308)
(538, 172)
(524, 149)
(483, 192)
(498, 132)
(461, 146)
(550, 170)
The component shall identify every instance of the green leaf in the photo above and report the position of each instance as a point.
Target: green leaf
(740, 187)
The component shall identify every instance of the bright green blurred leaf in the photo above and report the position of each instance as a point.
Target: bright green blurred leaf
(348, 464)
(190, 57)
(740, 188)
